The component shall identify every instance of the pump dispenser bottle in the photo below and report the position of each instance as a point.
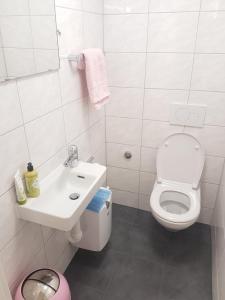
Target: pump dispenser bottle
(31, 179)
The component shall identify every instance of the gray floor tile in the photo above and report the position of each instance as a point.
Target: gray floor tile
(187, 282)
(136, 280)
(124, 214)
(83, 292)
(144, 261)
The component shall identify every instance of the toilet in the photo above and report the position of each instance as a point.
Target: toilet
(176, 198)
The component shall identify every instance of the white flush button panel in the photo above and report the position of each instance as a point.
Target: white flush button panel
(187, 114)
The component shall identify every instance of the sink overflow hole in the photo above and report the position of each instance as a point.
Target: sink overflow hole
(74, 196)
(80, 176)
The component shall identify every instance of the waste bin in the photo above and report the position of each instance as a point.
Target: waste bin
(96, 221)
(43, 284)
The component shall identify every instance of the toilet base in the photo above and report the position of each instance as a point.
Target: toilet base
(173, 227)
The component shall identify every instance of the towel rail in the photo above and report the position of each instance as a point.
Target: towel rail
(72, 57)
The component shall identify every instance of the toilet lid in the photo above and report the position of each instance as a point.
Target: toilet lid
(180, 158)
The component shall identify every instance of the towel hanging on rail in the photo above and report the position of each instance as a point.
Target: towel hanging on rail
(93, 62)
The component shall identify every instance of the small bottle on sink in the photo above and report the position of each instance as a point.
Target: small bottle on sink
(32, 183)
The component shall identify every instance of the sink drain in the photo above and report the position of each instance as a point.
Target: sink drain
(74, 196)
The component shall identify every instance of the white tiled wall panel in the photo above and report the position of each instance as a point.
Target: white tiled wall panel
(116, 27)
(168, 70)
(123, 130)
(39, 116)
(170, 32)
(125, 102)
(161, 52)
(126, 70)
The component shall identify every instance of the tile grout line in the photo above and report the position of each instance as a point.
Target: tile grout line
(194, 51)
(143, 102)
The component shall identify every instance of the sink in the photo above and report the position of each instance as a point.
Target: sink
(65, 193)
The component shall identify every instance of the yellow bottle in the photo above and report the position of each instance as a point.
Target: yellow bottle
(32, 183)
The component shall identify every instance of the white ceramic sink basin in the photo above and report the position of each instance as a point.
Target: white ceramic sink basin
(54, 208)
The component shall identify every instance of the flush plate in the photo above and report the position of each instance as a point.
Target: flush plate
(187, 114)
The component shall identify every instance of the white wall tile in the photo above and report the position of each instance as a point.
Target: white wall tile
(38, 261)
(45, 137)
(70, 24)
(76, 118)
(97, 133)
(94, 114)
(147, 181)
(209, 72)
(148, 159)
(55, 247)
(125, 198)
(211, 33)
(126, 70)
(157, 103)
(75, 4)
(212, 139)
(209, 193)
(144, 202)
(169, 70)
(123, 179)
(174, 5)
(154, 132)
(65, 258)
(14, 155)
(93, 31)
(125, 33)
(14, 7)
(125, 102)
(20, 252)
(170, 32)
(39, 95)
(2, 64)
(100, 157)
(9, 229)
(72, 82)
(215, 102)
(205, 215)
(117, 130)
(10, 112)
(116, 158)
(93, 6)
(213, 5)
(16, 31)
(127, 6)
(42, 7)
(83, 143)
(52, 163)
(213, 169)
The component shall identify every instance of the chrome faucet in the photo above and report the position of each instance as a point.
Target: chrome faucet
(72, 160)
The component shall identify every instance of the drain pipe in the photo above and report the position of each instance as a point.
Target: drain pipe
(74, 236)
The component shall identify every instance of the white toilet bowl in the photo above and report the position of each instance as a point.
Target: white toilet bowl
(176, 199)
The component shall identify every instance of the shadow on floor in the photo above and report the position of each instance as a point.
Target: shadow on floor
(144, 261)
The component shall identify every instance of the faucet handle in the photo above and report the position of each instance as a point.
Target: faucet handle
(72, 149)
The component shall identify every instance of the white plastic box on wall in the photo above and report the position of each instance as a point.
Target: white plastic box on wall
(96, 226)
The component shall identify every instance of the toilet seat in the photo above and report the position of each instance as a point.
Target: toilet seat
(175, 200)
(182, 188)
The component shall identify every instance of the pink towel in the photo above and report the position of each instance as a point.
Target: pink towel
(95, 68)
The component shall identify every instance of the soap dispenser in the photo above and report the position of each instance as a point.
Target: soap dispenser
(32, 183)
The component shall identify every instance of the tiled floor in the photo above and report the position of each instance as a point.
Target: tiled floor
(144, 261)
